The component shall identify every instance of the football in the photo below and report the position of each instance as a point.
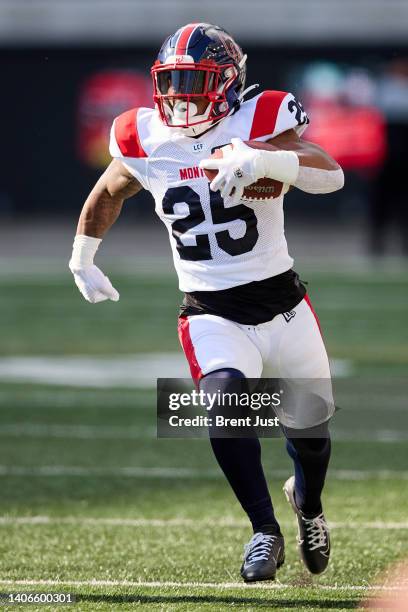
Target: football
(265, 188)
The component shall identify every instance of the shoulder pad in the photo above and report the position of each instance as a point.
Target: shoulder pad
(276, 112)
(126, 136)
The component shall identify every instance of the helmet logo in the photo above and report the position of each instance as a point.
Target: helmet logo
(230, 47)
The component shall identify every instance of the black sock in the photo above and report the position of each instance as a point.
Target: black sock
(240, 460)
(311, 459)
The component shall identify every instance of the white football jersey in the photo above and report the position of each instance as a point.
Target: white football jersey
(216, 245)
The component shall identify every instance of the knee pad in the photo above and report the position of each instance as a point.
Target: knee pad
(225, 384)
(223, 374)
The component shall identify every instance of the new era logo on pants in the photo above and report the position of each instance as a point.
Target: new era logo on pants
(289, 315)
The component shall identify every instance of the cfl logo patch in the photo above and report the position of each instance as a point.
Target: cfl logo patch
(238, 173)
(289, 315)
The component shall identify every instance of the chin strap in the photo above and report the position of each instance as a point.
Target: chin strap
(247, 90)
(237, 104)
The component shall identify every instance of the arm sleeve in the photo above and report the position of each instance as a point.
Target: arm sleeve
(316, 180)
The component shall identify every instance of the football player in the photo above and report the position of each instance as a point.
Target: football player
(245, 311)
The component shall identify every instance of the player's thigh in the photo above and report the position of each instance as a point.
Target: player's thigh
(302, 353)
(304, 365)
(211, 343)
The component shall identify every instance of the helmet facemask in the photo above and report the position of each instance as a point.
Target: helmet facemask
(191, 96)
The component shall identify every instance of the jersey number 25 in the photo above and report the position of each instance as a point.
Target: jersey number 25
(201, 250)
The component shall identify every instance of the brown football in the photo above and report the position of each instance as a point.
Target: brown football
(265, 188)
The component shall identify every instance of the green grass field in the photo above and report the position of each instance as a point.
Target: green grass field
(93, 504)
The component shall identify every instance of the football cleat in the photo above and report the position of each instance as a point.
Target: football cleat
(263, 555)
(313, 534)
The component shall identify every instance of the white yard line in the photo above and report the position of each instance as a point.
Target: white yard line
(117, 432)
(123, 371)
(177, 472)
(20, 269)
(197, 585)
(179, 522)
(80, 432)
(131, 471)
(380, 435)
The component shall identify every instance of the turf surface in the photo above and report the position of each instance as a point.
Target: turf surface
(88, 494)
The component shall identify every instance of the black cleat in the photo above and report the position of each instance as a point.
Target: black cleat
(263, 555)
(313, 534)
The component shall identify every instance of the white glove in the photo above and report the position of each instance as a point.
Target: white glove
(241, 166)
(237, 169)
(90, 280)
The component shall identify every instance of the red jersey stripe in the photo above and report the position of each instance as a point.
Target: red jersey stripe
(127, 136)
(266, 113)
(188, 347)
(182, 43)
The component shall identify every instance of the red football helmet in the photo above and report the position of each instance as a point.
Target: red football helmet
(198, 77)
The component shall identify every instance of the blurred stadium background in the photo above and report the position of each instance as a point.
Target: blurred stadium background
(87, 492)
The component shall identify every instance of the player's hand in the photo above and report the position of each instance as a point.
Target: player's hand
(93, 284)
(238, 168)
